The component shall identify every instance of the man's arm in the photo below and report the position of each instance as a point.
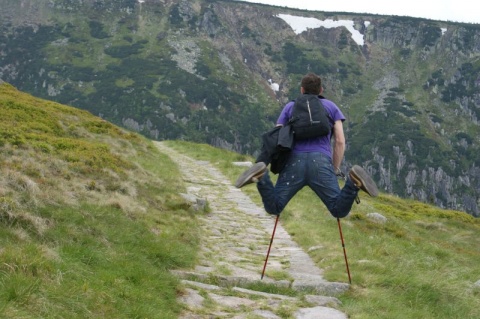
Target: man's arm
(339, 145)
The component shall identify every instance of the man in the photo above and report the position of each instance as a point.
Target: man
(312, 163)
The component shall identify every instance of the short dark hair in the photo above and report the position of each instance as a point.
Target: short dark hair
(311, 84)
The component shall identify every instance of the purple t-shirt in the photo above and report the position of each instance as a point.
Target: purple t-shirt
(317, 144)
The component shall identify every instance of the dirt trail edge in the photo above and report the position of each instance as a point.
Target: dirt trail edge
(236, 234)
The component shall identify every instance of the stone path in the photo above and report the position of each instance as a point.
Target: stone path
(236, 237)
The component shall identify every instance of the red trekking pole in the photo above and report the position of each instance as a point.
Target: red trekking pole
(270, 246)
(342, 175)
(344, 251)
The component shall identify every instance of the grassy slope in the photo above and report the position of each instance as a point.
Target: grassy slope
(422, 263)
(90, 217)
(91, 222)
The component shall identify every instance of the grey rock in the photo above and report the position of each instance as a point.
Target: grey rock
(192, 298)
(322, 300)
(378, 218)
(319, 313)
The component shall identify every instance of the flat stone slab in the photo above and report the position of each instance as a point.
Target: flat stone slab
(319, 313)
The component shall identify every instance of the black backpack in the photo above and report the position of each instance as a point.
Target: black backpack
(309, 118)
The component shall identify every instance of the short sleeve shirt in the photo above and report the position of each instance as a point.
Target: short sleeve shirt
(317, 144)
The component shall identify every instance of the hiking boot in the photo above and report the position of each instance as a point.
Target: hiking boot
(251, 175)
(362, 180)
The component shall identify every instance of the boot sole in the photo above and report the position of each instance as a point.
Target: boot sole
(368, 185)
(249, 174)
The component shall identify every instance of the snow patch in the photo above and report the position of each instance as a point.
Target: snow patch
(300, 24)
(443, 30)
(274, 86)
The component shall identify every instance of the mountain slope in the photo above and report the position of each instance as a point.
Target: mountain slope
(219, 72)
(91, 219)
(407, 259)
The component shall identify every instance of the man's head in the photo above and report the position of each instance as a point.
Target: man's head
(311, 84)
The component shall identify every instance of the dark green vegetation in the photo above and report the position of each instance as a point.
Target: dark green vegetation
(91, 220)
(200, 70)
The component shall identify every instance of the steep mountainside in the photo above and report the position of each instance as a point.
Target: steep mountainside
(219, 72)
(89, 210)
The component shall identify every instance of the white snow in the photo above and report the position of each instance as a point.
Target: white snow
(300, 24)
(141, 1)
(274, 86)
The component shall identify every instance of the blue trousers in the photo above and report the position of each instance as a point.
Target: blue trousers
(307, 169)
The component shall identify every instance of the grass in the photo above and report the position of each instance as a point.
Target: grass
(422, 263)
(91, 222)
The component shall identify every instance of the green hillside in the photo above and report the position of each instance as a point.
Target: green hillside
(90, 217)
(91, 222)
(421, 263)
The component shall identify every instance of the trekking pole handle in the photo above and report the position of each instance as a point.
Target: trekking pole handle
(340, 174)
